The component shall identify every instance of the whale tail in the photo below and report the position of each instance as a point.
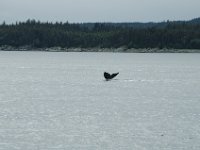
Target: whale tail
(108, 76)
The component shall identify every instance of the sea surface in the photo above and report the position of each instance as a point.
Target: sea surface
(61, 101)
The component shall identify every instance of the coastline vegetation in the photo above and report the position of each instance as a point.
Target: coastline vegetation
(149, 37)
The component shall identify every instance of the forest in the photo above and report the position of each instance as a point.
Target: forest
(163, 35)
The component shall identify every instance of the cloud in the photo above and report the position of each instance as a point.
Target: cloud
(98, 10)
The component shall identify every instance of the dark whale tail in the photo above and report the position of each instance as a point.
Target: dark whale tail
(108, 76)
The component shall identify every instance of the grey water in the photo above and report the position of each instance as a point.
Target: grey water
(55, 100)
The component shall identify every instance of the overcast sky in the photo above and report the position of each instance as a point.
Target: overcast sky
(99, 10)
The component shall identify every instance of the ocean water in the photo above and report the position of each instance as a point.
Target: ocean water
(60, 101)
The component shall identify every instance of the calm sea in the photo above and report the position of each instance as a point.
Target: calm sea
(60, 101)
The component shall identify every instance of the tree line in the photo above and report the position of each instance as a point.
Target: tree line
(36, 34)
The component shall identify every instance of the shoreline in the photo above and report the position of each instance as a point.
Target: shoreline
(97, 49)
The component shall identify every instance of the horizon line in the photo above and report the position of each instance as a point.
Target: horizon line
(85, 22)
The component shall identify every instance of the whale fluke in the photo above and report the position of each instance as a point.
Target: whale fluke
(110, 76)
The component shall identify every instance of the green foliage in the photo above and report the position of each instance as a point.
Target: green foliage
(179, 35)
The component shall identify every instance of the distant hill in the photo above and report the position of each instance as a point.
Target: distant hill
(161, 35)
(139, 25)
(135, 25)
(196, 21)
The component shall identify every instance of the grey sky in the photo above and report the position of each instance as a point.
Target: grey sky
(98, 10)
